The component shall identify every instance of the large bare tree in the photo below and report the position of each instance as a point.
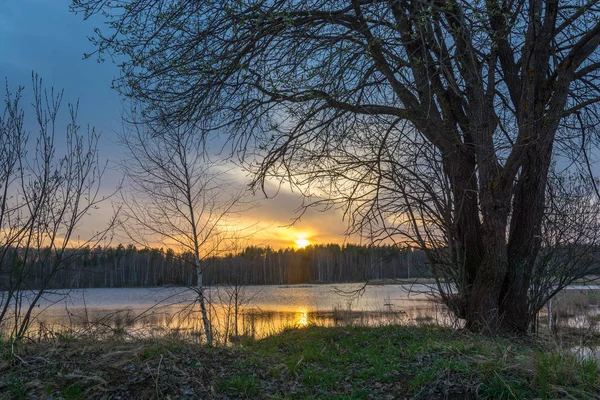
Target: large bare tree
(369, 95)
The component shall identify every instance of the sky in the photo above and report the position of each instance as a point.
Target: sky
(42, 36)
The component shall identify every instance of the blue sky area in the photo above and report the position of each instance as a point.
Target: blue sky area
(43, 36)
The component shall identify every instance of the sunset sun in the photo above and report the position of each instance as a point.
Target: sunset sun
(302, 243)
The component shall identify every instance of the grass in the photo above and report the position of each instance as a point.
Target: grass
(241, 385)
(73, 392)
(425, 362)
(315, 362)
(15, 388)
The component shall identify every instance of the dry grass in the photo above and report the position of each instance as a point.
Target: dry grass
(86, 368)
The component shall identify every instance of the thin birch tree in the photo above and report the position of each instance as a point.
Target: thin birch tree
(180, 198)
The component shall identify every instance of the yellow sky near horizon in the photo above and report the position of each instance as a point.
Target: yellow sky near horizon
(272, 223)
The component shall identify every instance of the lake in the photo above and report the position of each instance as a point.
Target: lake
(260, 311)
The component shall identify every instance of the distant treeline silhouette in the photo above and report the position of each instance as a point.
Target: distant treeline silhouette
(129, 266)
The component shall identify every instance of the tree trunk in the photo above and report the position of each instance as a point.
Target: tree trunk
(202, 301)
(525, 240)
(467, 244)
(482, 314)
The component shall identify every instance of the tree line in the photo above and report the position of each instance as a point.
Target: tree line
(130, 266)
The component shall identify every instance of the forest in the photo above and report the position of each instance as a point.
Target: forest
(129, 266)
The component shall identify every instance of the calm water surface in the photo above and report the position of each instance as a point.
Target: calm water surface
(262, 310)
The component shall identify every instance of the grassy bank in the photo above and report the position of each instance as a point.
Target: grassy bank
(325, 363)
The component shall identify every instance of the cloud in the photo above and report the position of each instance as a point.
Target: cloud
(279, 219)
(280, 222)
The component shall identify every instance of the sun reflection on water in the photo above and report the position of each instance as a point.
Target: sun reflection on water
(286, 307)
(302, 317)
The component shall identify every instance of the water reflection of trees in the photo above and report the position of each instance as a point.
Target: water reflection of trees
(252, 322)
